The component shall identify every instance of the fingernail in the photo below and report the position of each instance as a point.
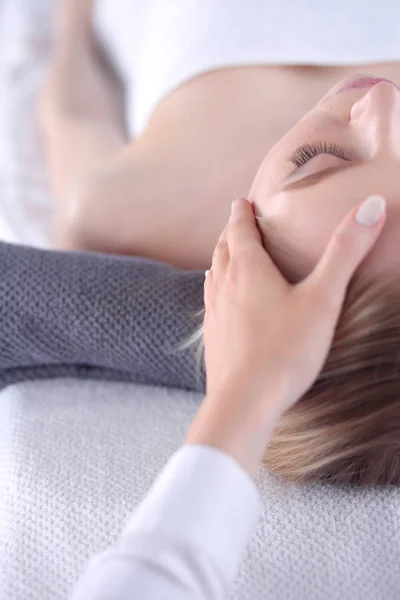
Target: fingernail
(233, 204)
(206, 274)
(236, 208)
(370, 211)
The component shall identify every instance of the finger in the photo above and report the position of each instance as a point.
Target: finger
(242, 229)
(243, 235)
(208, 283)
(221, 255)
(350, 244)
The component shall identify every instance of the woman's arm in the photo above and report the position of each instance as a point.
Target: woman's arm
(82, 122)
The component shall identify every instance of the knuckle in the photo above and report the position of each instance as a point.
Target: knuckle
(242, 256)
(221, 244)
(219, 249)
(236, 226)
(347, 240)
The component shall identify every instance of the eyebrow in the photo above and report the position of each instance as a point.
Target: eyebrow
(315, 178)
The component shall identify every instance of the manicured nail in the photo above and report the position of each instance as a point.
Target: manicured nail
(370, 211)
(206, 274)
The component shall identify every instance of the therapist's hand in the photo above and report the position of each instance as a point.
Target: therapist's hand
(266, 340)
(258, 327)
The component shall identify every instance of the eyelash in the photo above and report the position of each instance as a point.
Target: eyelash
(306, 152)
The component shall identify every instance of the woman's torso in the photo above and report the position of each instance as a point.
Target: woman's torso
(204, 140)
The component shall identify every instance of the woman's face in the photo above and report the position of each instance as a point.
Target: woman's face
(351, 149)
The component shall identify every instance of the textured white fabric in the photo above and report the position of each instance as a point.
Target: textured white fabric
(187, 536)
(158, 44)
(77, 457)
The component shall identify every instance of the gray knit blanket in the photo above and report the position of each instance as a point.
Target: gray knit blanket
(97, 316)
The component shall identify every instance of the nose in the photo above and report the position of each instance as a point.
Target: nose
(378, 115)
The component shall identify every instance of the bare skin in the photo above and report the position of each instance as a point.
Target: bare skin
(166, 194)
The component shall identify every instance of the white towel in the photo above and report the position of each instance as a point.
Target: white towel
(76, 457)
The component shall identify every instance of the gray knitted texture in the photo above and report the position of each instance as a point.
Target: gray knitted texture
(97, 316)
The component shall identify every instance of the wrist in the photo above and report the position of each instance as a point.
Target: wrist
(238, 422)
(265, 400)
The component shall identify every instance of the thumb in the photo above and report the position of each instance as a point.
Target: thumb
(351, 242)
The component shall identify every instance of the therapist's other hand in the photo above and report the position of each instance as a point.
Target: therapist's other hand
(264, 337)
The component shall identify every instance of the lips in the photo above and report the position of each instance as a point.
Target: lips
(366, 82)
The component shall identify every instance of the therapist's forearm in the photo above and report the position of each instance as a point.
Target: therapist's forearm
(239, 422)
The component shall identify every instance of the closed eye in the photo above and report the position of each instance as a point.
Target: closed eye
(308, 151)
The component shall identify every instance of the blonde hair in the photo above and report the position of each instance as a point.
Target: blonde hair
(346, 428)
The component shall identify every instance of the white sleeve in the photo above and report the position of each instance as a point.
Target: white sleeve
(186, 539)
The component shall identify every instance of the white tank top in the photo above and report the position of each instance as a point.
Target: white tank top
(156, 45)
